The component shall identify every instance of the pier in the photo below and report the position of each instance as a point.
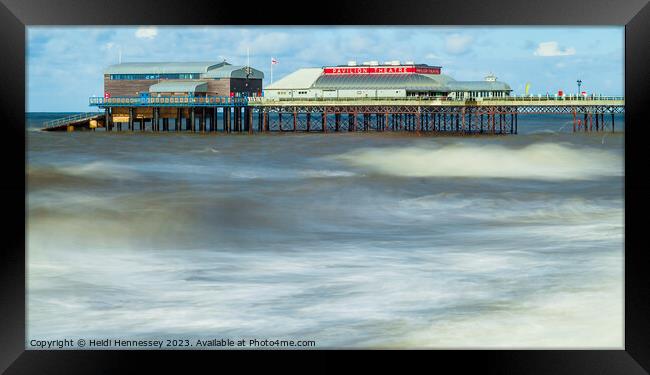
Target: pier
(217, 97)
(217, 114)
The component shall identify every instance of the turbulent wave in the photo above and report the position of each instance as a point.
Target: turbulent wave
(541, 161)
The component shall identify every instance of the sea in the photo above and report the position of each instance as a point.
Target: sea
(348, 240)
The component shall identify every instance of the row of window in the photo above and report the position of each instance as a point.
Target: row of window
(155, 76)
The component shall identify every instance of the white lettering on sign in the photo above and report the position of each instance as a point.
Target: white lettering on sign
(382, 70)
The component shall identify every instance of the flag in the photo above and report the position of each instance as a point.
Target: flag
(273, 61)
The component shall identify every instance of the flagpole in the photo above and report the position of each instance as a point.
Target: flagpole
(271, 69)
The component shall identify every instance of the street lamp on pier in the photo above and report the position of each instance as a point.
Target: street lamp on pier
(579, 84)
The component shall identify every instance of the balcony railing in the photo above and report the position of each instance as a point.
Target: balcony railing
(168, 101)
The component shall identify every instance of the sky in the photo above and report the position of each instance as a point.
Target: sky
(65, 64)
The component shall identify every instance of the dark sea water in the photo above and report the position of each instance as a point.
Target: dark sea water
(351, 240)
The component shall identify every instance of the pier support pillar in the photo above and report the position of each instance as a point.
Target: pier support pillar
(226, 119)
(265, 120)
(462, 113)
(295, 120)
(612, 122)
(494, 122)
(108, 119)
(250, 120)
(179, 119)
(213, 120)
(337, 119)
(516, 115)
(324, 122)
(234, 123)
(202, 123)
(280, 121)
(602, 121)
(236, 118)
(308, 121)
(238, 125)
(385, 124)
(512, 123)
(232, 117)
(130, 118)
(154, 120)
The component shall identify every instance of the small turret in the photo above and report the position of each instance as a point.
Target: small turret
(490, 78)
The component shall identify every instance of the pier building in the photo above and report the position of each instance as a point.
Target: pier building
(181, 78)
(391, 79)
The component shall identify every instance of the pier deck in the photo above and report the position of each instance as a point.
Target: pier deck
(252, 115)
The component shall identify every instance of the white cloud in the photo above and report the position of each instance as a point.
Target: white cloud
(552, 49)
(432, 56)
(457, 44)
(146, 32)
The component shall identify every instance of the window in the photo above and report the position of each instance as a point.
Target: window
(130, 77)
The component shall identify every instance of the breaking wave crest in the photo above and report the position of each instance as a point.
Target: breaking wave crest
(540, 161)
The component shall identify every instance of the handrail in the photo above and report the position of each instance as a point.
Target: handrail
(70, 118)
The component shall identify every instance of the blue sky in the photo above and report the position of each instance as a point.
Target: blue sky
(65, 64)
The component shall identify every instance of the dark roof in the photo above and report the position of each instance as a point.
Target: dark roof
(162, 67)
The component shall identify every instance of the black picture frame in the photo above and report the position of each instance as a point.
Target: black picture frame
(15, 15)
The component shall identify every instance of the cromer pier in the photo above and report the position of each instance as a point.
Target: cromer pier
(218, 97)
(220, 114)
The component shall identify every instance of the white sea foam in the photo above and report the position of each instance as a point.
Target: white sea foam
(99, 169)
(326, 173)
(590, 318)
(541, 161)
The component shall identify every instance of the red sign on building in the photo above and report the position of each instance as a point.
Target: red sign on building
(381, 70)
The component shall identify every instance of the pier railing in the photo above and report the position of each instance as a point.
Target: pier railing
(168, 101)
(537, 98)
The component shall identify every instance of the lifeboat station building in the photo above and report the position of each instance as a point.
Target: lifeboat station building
(389, 80)
(181, 79)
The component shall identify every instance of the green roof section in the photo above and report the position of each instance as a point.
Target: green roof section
(179, 86)
(163, 67)
(384, 81)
